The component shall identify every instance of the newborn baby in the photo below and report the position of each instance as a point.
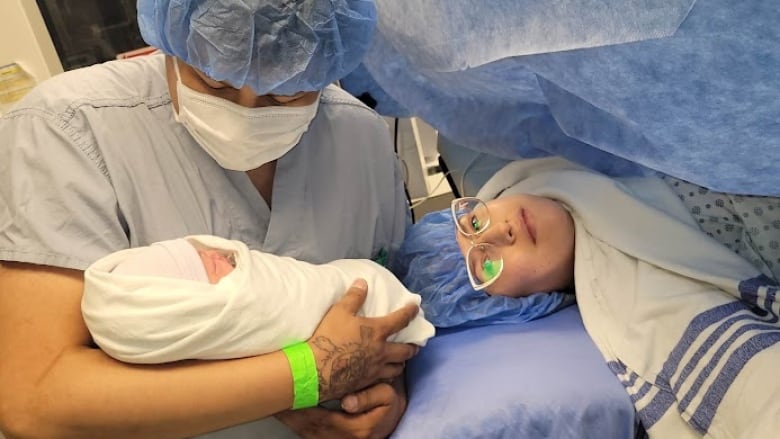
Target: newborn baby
(205, 297)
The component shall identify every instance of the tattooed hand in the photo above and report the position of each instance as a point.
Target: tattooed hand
(353, 352)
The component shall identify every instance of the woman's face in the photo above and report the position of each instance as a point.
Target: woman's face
(536, 238)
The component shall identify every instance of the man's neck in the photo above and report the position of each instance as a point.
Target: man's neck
(263, 180)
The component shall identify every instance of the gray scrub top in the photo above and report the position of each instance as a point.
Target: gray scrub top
(93, 162)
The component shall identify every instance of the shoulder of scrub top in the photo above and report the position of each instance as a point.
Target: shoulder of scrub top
(336, 97)
(120, 83)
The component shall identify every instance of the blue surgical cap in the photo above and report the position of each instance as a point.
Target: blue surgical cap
(430, 264)
(274, 46)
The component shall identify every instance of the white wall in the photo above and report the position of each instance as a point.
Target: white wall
(25, 40)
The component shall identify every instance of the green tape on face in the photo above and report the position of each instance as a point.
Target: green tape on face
(491, 268)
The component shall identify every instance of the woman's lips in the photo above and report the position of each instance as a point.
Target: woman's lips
(528, 225)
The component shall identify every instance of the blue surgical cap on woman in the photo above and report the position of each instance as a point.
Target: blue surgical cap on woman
(430, 264)
(274, 46)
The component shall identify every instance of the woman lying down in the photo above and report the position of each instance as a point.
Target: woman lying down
(688, 326)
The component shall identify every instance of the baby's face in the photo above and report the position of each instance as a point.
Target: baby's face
(536, 238)
(217, 265)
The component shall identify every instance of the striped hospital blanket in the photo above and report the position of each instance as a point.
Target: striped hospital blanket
(721, 369)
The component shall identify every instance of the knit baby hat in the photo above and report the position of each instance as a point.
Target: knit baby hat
(173, 259)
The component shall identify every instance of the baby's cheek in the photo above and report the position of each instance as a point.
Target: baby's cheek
(223, 267)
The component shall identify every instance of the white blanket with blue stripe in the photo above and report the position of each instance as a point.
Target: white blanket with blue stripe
(690, 328)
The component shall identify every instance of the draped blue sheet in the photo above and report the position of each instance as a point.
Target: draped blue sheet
(628, 87)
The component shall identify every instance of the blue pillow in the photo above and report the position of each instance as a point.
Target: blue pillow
(541, 379)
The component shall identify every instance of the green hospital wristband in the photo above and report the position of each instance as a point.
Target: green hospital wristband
(306, 385)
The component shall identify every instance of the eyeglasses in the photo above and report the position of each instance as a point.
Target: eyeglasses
(484, 262)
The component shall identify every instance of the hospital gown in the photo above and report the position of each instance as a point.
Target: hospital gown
(748, 225)
(94, 162)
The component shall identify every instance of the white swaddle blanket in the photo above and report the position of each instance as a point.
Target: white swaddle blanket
(266, 303)
(688, 327)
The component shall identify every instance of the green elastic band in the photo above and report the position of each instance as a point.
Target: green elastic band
(306, 386)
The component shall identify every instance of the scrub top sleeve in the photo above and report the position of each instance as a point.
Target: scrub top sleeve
(57, 205)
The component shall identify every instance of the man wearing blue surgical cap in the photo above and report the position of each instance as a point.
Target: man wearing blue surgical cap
(232, 130)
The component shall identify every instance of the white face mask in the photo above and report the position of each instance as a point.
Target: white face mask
(237, 137)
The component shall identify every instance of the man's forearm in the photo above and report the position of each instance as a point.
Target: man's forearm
(85, 394)
(53, 384)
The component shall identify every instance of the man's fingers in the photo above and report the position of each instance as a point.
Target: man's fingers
(318, 423)
(367, 399)
(399, 319)
(355, 296)
(391, 371)
(398, 353)
(307, 423)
